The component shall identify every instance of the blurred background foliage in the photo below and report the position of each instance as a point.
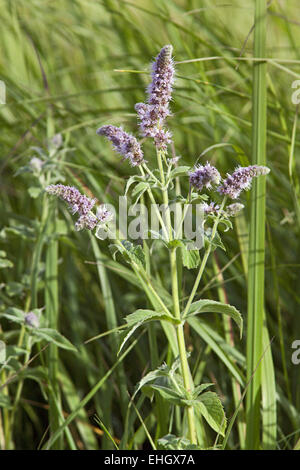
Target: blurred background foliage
(87, 63)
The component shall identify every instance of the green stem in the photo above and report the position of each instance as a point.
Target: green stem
(187, 377)
(204, 261)
(150, 194)
(20, 385)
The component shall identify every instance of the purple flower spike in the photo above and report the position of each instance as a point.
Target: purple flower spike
(123, 143)
(79, 203)
(160, 88)
(204, 176)
(241, 180)
(153, 113)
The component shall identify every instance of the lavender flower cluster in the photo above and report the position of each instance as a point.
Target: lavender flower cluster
(153, 113)
(81, 204)
(241, 180)
(233, 185)
(204, 176)
(211, 208)
(123, 143)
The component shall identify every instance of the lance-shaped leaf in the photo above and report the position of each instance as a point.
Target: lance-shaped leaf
(212, 306)
(210, 407)
(138, 318)
(169, 394)
(53, 336)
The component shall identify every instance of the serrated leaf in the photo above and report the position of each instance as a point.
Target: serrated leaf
(53, 336)
(212, 306)
(215, 243)
(146, 315)
(133, 252)
(170, 395)
(190, 258)
(138, 318)
(175, 244)
(199, 389)
(171, 442)
(151, 376)
(210, 407)
(125, 336)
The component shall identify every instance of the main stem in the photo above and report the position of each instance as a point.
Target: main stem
(204, 261)
(187, 377)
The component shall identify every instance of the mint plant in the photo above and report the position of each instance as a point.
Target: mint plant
(216, 197)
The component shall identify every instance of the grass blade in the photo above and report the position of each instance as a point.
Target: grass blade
(257, 234)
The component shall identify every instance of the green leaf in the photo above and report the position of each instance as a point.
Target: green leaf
(207, 305)
(161, 371)
(142, 315)
(171, 442)
(5, 401)
(138, 318)
(199, 389)
(175, 244)
(133, 253)
(2, 352)
(14, 288)
(169, 394)
(139, 191)
(5, 263)
(179, 171)
(190, 258)
(131, 180)
(210, 407)
(23, 231)
(215, 243)
(14, 314)
(53, 336)
(34, 191)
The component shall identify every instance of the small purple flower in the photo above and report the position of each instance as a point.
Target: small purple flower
(204, 176)
(32, 320)
(174, 160)
(153, 113)
(123, 143)
(233, 209)
(211, 208)
(241, 180)
(81, 204)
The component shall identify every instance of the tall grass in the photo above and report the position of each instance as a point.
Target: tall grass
(96, 63)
